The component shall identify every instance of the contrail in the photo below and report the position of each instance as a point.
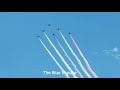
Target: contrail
(79, 62)
(68, 57)
(60, 56)
(54, 58)
(85, 60)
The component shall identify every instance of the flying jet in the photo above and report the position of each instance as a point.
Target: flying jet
(53, 34)
(69, 33)
(43, 30)
(58, 29)
(38, 36)
(49, 24)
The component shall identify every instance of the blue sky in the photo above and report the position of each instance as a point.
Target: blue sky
(23, 56)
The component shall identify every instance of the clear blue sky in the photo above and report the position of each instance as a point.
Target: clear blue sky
(22, 55)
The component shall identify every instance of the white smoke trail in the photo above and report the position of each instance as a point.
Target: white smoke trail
(81, 54)
(54, 58)
(60, 56)
(68, 57)
(78, 60)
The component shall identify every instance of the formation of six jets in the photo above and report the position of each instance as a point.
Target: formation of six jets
(53, 33)
(68, 57)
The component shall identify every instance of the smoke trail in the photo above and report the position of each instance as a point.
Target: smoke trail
(60, 56)
(79, 62)
(85, 60)
(54, 58)
(68, 57)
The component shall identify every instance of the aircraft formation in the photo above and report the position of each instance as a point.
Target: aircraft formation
(83, 68)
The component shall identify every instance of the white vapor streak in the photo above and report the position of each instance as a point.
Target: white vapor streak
(78, 60)
(60, 56)
(69, 58)
(54, 58)
(85, 60)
